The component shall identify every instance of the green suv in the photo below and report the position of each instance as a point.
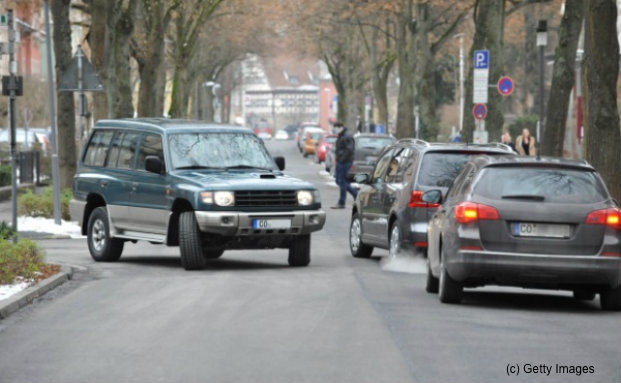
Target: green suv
(203, 187)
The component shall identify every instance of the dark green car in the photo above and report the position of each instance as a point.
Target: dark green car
(203, 187)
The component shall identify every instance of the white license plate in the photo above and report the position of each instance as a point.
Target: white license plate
(525, 229)
(266, 224)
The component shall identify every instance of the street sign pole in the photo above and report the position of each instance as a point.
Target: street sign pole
(50, 82)
(12, 96)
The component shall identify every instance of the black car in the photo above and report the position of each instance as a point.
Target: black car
(203, 187)
(526, 222)
(389, 211)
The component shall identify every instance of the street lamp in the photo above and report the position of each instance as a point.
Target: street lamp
(542, 41)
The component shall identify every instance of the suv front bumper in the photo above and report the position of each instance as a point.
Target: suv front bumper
(241, 223)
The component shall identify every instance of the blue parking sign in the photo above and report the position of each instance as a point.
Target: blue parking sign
(481, 59)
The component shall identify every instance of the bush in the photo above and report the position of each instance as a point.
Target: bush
(6, 231)
(5, 175)
(42, 205)
(21, 259)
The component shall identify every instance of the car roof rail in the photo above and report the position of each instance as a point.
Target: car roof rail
(498, 145)
(415, 141)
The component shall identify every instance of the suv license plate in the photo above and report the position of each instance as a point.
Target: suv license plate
(525, 229)
(271, 224)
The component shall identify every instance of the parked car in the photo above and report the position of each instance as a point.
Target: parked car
(325, 144)
(303, 133)
(368, 147)
(527, 222)
(291, 131)
(203, 187)
(389, 212)
(25, 139)
(281, 135)
(311, 142)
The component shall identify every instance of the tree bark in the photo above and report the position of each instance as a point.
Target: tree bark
(427, 90)
(406, 60)
(602, 68)
(67, 154)
(123, 27)
(562, 78)
(98, 41)
(489, 34)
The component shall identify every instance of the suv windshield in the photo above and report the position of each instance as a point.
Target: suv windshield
(218, 150)
(440, 169)
(541, 184)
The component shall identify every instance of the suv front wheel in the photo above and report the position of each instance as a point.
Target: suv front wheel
(299, 251)
(101, 246)
(190, 243)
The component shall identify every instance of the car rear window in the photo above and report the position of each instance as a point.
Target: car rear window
(373, 142)
(331, 139)
(439, 169)
(539, 183)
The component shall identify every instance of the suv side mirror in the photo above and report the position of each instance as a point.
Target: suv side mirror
(153, 164)
(280, 162)
(362, 178)
(432, 196)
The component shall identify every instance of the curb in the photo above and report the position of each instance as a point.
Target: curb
(29, 295)
(7, 191)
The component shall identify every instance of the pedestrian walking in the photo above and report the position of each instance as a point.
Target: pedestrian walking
(344, 152)
(506, 139)
(525, 144)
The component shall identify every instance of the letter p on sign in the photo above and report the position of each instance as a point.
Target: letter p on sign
(481, 59)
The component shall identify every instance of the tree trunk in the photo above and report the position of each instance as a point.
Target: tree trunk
(406, 59)
(427, 93)
(489, 22)
(67, 154)
(99, 43)
(122, 100)
(602, 69)
(562, 78)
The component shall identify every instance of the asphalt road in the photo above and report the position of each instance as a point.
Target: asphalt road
(250, 318)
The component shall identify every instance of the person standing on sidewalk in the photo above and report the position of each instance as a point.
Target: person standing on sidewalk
(344, 152)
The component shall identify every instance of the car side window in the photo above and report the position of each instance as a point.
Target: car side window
(382, 166)
(97, 149)
(127, 151)
(115, 148)
(398, 166)
(151, 146)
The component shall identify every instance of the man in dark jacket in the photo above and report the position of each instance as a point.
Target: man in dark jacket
(344, 152)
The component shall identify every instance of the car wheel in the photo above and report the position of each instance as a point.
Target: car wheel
(190, 243)
(101, 246)
(299, 251)
(610, 299)
(212, 252)
(395, 241)
(357, 248)
(583, 295)
(433, 284)
(450, 291)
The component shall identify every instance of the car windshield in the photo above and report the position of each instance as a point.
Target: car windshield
(331, 139)
(373, 142)
(315, 136)
(541, 184)
(218, 150)
(439, 169)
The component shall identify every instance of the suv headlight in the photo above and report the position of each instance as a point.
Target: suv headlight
(305, 197)
(220, 198)
(224, 198)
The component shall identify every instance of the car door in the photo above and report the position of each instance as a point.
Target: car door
(372, 201)
(149, 209)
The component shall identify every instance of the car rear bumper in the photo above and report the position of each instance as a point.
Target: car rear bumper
(533, 270)
(241, 224)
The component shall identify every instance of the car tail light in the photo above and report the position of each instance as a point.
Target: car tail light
(467, 212)
(609, 217)
(416, 200)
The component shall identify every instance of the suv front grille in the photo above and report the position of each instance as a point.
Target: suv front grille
(266, 198)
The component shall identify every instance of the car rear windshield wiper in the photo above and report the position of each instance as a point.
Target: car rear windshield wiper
(194, 167)
(531, 197)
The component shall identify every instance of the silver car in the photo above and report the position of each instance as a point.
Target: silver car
(527, 222)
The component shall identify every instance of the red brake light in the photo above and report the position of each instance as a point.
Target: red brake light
(467, 212)
(416, 200)
(609, 217)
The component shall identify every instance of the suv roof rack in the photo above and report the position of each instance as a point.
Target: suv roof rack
(498, 145)
(415, 141)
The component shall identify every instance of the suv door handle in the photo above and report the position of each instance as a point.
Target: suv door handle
(103, 184)
(134, 186)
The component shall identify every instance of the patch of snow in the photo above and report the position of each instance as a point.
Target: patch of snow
(47, 225)
(7, 291)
